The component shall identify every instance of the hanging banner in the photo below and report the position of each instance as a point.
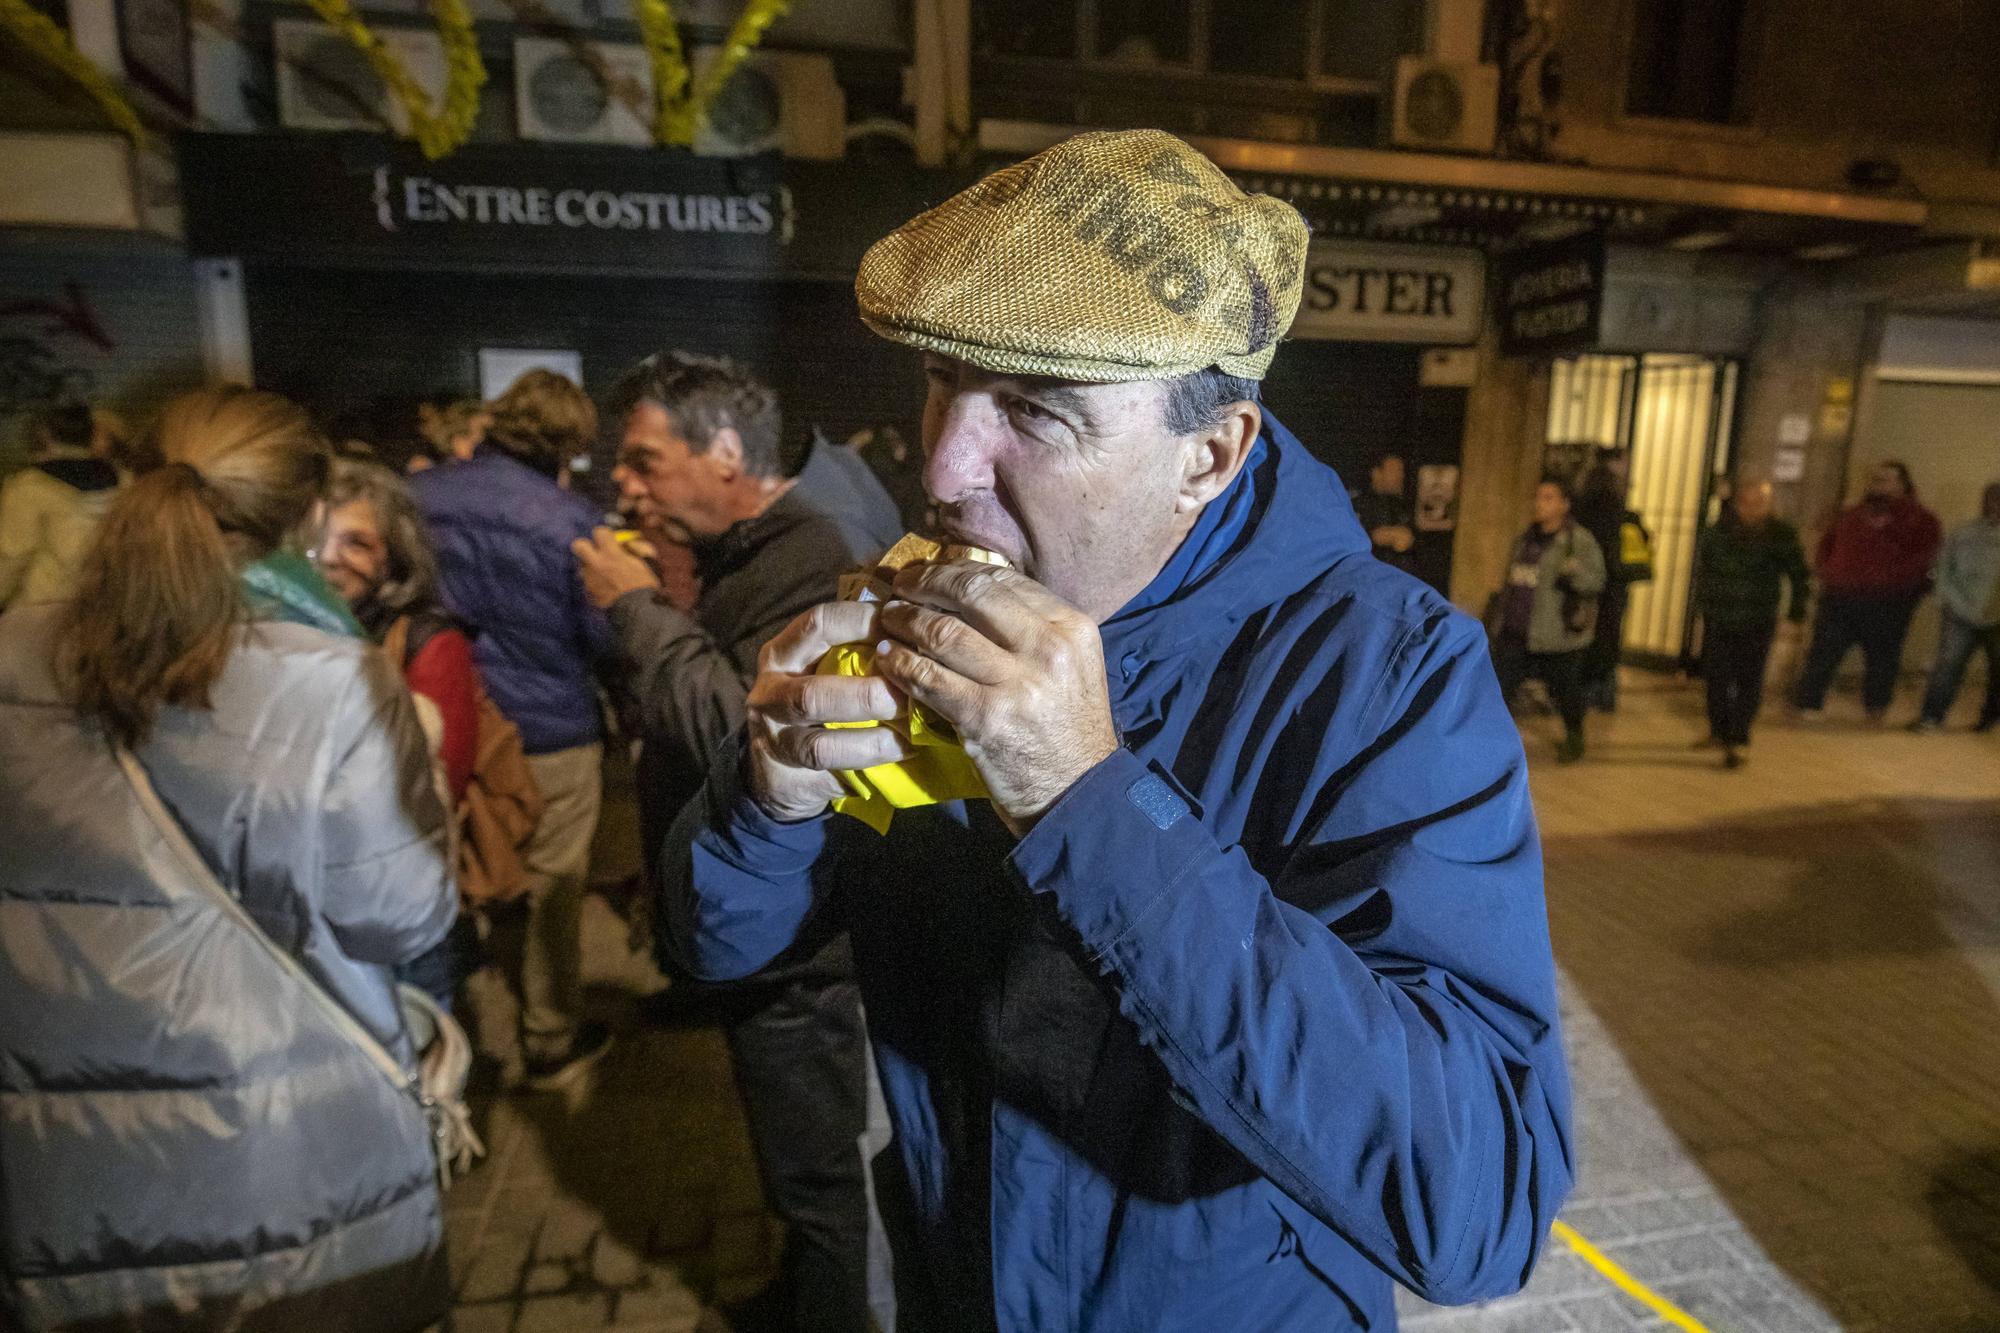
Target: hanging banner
(1363, 291)
(1550, 297)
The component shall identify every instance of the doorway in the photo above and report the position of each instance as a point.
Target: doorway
(1674, 415)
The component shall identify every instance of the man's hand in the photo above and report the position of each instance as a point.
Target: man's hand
(1016, 669)
(609, 570)
(792, 752)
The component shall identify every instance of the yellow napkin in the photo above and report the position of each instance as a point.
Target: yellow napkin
(939, 771)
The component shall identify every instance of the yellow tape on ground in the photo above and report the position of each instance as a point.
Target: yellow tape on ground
(1625, 1282)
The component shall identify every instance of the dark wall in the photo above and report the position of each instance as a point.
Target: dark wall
(1348, 401)
(340, 340)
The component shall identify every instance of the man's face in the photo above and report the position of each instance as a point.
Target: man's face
(1753, 503)
(664, 486)
(1075, 483)
(1387, 478)
(352, 555)
(1885, 483)
(1551, 506)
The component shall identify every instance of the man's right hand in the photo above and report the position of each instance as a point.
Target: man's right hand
(793, 754)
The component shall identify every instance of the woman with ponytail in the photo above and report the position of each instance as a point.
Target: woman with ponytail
(193, 1138)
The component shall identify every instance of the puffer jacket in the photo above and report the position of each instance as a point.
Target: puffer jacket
(48, 516)
(502, 533)
(186, 1140)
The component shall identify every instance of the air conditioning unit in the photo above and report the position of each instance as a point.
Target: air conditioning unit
(583, 92)
(776, 100)
(1444, 105)
(325, 83)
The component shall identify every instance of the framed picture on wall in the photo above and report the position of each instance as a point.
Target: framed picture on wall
(155, 40)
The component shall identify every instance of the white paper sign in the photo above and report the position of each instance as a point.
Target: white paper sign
(1794, 428)
(1790, 464)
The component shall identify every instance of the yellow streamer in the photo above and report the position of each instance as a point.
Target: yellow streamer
(40, 34)
(1625, 1282)
(678, 112)
(439, 131)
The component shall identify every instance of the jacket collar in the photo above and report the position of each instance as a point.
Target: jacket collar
(1300, 523)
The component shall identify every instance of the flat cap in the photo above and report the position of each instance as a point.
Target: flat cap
(1112, 256)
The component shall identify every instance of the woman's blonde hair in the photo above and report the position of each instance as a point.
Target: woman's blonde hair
(157, 601)
(543, 420)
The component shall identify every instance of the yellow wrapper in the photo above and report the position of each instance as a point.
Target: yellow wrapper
(939, 771)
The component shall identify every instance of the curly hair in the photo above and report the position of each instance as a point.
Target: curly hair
(544, 420)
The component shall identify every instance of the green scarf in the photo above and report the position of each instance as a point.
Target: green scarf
(286, 586)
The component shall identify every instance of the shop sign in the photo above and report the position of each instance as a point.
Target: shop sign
(1362, 291)
(1550, 297)
(366, 199)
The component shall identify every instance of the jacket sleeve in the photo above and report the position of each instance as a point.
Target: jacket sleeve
(387, 889)
(1374, 1026)
(1590, 572)
(20, 530)
(736, 886)
(1799, 577)
(679, 682)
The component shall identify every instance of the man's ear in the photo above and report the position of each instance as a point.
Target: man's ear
(1216, 455)
(725, 453)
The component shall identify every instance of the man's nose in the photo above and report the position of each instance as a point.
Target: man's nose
(958, 462)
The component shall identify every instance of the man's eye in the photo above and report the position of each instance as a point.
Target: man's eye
(1033, 411)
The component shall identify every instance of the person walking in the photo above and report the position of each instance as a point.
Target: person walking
(1230, 1004)
(49, 510)
(1548, 611)
(1874, 566)
(1968, 580)
(502, 526)
(701, 463)
(1602, 512)
(194, 1139)
(1743, 563)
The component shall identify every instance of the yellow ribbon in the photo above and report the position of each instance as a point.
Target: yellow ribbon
(940, 770)
(437, 132)
(43, 38)
(676, 116)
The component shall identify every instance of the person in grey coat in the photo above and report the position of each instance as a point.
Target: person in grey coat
(1547, 613)
(189, 1138)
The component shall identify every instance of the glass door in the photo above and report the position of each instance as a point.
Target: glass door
(1672, 414)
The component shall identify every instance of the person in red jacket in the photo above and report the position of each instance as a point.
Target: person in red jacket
(1874, 567)
(373, 552)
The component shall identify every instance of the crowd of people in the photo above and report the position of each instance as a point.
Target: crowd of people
(281, 724)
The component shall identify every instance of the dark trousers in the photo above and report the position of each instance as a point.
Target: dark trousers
(1561, 672)
(1733, 658)
(1878, 624)
(1957, 641)
(1600, 659)
(798, 1045)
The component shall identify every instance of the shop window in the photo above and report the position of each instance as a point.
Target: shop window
(1689, 59)
(1360, 39)
(1144, 32)
(1039, 28)
(1267, 39)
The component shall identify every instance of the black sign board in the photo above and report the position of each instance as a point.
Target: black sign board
(1549, 297)
(371, 201)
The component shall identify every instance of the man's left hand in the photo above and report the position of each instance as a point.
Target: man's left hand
(1016, 669)
(610, 570)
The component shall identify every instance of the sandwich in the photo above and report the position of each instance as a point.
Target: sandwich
(874, 583)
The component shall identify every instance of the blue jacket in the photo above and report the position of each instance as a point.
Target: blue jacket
(502, 533)
(1259, 1016)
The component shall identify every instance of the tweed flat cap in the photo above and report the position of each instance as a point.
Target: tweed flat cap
(1112, 256)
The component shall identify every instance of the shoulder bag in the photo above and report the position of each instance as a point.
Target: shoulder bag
(438, 1086)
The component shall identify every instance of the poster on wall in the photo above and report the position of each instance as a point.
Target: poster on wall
(499, 367)
(1437, 497)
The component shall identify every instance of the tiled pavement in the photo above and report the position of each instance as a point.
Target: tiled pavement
(1780, 989)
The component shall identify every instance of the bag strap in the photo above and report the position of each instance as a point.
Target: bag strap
(336, 1013)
